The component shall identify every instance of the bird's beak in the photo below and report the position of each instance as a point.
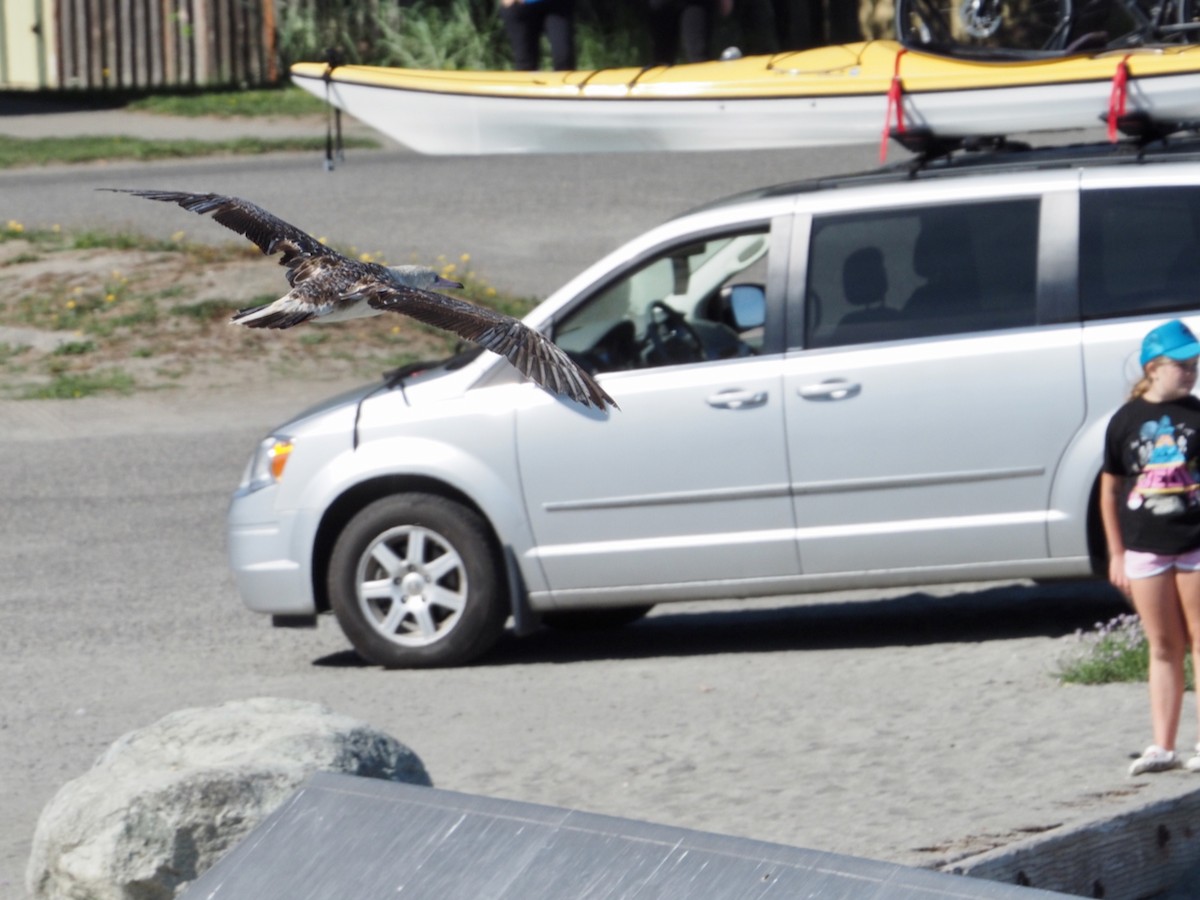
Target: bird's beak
(446, 283)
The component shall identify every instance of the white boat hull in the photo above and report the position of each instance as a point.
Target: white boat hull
(443, 122)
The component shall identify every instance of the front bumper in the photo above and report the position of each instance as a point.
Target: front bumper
(270, 558)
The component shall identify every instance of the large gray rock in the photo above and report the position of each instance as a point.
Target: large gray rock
(165, 802)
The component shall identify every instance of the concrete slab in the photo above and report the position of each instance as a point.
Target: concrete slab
(342, 836)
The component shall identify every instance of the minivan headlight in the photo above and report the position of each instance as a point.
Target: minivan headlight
(267, 465)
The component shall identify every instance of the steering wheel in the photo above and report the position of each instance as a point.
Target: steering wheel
(672, 338)
(617, 349)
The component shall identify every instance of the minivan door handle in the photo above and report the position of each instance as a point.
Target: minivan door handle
(830, 389)
(737, 398)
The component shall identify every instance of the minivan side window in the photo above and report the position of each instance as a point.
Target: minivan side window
(701, 300)
(1139, 250)
(917, 272)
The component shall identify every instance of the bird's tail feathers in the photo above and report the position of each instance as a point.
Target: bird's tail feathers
(273, 315)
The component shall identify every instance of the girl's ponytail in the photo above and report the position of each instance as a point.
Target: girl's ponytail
(1143, 383)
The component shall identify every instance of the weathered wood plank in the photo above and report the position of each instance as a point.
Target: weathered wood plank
(1137, 854)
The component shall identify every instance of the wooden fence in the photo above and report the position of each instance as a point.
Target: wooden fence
(136, 44)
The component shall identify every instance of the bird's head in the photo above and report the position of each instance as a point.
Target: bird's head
(422, 277)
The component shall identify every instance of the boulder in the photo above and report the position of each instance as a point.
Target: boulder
(163, 803)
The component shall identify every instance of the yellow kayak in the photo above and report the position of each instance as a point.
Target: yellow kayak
(844, 94)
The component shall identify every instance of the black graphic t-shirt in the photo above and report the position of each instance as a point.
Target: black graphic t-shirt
(1154, 450)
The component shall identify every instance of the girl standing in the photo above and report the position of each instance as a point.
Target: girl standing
(1150, 507)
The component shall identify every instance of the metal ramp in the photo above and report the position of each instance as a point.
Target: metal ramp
(342, 837)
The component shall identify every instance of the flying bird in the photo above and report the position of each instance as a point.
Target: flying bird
(328, 285)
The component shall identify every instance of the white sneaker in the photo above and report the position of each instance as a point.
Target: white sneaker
(1155, 759)
(1193, 764)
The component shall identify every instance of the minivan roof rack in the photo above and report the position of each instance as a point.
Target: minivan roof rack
(1140, 131)
(926, 145)
(943, 157)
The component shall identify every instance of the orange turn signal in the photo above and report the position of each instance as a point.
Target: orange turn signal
(278, 455)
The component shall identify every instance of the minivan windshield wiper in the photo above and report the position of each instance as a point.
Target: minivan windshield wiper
(464, 354)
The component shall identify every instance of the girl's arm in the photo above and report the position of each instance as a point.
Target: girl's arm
(1109, 486)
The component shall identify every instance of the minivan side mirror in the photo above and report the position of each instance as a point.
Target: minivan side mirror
(746, 305)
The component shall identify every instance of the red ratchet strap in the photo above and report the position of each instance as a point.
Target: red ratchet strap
(1119, 97)
(895, 102)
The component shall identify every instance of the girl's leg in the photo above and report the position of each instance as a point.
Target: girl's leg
(1188, 586)
(1158, 605)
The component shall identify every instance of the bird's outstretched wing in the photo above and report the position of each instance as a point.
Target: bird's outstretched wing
(531, 352)
(270, 233)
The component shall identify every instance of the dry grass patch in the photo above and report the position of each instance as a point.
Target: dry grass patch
(96, 313)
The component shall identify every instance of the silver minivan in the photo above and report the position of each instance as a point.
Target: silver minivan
(890, 379)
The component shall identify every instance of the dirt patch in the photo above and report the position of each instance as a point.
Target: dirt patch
(76, 321)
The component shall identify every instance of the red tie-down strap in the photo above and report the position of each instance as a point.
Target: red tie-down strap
(895, 102)
(1119, 97)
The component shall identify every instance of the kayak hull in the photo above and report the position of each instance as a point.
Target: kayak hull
(825, 97)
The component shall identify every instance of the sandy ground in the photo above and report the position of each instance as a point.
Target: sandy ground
(913, 726)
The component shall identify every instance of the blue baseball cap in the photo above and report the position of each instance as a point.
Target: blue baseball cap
(1173, 340)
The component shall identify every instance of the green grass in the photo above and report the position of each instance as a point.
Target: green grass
(9, 352)
(450, 34)
(75, 348)
(1115, 651)
(72, 386)
(119, 240)
(41, 238)
(24, 152)
(207, 310)
(257, 103)
(153, 299)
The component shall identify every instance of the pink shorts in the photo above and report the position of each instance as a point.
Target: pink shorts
(1140, 564)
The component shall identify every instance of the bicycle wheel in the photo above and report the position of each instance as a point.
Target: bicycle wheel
(983, 24)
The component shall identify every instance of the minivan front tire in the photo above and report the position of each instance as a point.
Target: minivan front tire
(414, 582)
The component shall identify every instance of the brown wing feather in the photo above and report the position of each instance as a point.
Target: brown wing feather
(531, 352)
(268, 232)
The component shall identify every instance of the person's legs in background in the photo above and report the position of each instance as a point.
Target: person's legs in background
(1187, 584)
(523, 24)
(1158, 606)
(663, 18)
(695, 26)
(559, 25)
